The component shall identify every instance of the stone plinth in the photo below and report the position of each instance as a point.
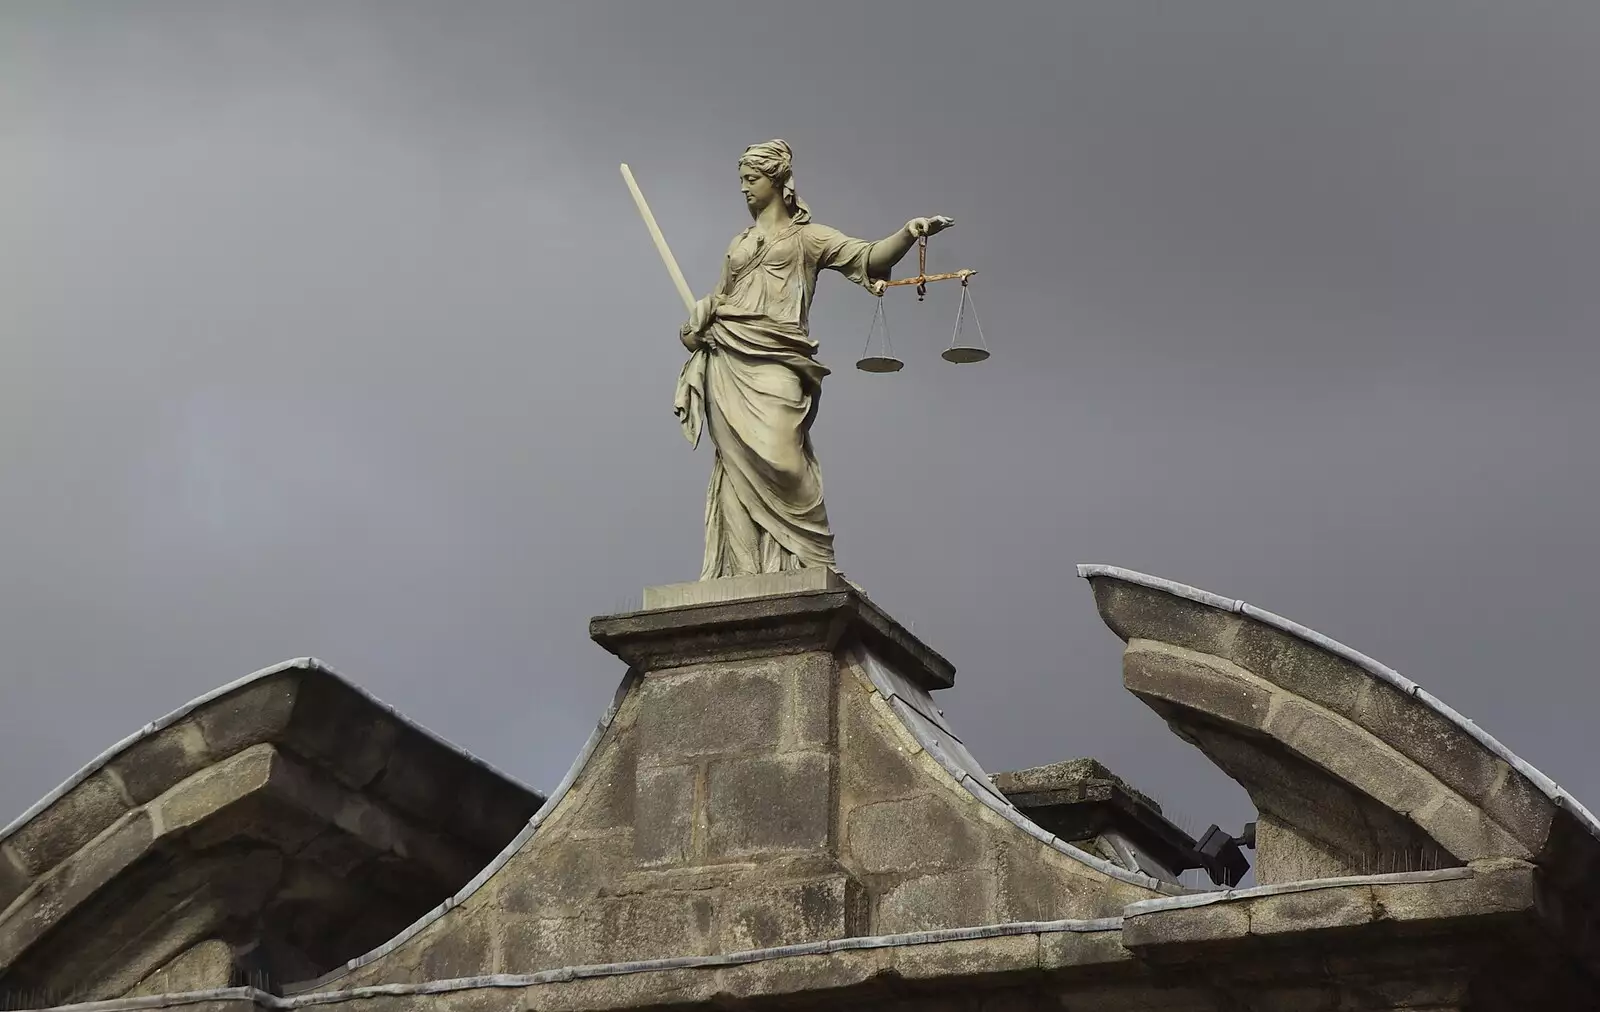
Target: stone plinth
(737, 744)
(773, 614)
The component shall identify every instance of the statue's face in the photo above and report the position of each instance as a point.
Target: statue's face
(758, 190)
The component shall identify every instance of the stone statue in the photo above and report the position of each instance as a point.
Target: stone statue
(754, 377)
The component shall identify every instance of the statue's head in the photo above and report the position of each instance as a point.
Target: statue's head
(766, 173)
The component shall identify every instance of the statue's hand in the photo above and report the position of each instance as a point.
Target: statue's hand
(692, 333)
(920, 227)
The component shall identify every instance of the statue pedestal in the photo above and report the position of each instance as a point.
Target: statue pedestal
(770, 615)
(737, 746)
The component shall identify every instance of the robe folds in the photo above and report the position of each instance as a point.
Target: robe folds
(755, 384)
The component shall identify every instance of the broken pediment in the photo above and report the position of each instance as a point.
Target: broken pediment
(774, 772)
(774, 811)
(1354, 769)
(265, 831)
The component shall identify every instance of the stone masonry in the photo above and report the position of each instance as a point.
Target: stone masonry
(774, 813)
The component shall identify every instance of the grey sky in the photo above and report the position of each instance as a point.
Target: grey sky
(330, 329)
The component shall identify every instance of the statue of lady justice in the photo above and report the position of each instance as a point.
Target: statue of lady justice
(754, 375)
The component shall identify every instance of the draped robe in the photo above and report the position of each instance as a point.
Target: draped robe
(757, 383)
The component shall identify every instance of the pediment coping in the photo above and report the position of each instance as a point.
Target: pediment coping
(1555, 792)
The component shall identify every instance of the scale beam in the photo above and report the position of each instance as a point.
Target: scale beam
(923, 279)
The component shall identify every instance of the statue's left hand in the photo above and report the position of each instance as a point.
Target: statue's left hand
(920, 227)
(693, 333)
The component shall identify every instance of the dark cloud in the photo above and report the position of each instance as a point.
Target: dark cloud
(331, 330)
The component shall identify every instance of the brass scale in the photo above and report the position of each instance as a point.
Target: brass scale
(958, 353)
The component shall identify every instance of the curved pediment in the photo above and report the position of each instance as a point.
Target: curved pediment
(773, 772)
(1354, 768)
(270, 829)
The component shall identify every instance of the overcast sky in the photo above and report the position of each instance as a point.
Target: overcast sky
(329, 328)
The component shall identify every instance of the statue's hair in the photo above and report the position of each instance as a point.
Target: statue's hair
(775, 160)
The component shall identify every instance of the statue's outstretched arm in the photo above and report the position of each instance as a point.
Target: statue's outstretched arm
(890, 250)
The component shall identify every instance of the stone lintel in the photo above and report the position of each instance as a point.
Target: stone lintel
(819, 611)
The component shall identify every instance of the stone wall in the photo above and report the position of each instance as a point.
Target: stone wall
(753, 789)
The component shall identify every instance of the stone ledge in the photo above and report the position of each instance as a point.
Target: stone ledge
(764, 626)
(740, 588)
(1184, 928)
(1068, 963)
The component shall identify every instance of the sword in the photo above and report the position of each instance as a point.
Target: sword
(660, 240)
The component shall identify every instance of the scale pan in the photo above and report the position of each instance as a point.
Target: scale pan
(961, 356)
(880, 363)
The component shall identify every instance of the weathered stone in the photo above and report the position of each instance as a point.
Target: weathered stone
(875, 764)
(1179, 927)
(610, 784)
(656, 989)
(13, 880)
(204, 794)
(1465, 831)
(203, 967)
(1311, 910)
(749, 840)
(538, 943)
(573, 873)
(1197, 681)
(952, 899)
(764, 917)
(1525, 811)
(763, 805)
(793, 975)
(665, 807)
(73, 881)
(335, 852)
(154, 763)
(1029, 889)
(920, 834)
(1135, 612)
(425, 781)
(337, 729)
(1420, 733)
(78, 817)
(1064, 775)
(649, 926)
(808, 713)
(1070, 949)
(1509, 891)
(1286, 853)
(258, 712)
(484, 807)
(1352, 755)
(1301, 668)
(476, 999)
(1001, 954)
(462, 952)
(704, 712)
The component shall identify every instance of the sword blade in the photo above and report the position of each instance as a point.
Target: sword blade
(660, 240)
